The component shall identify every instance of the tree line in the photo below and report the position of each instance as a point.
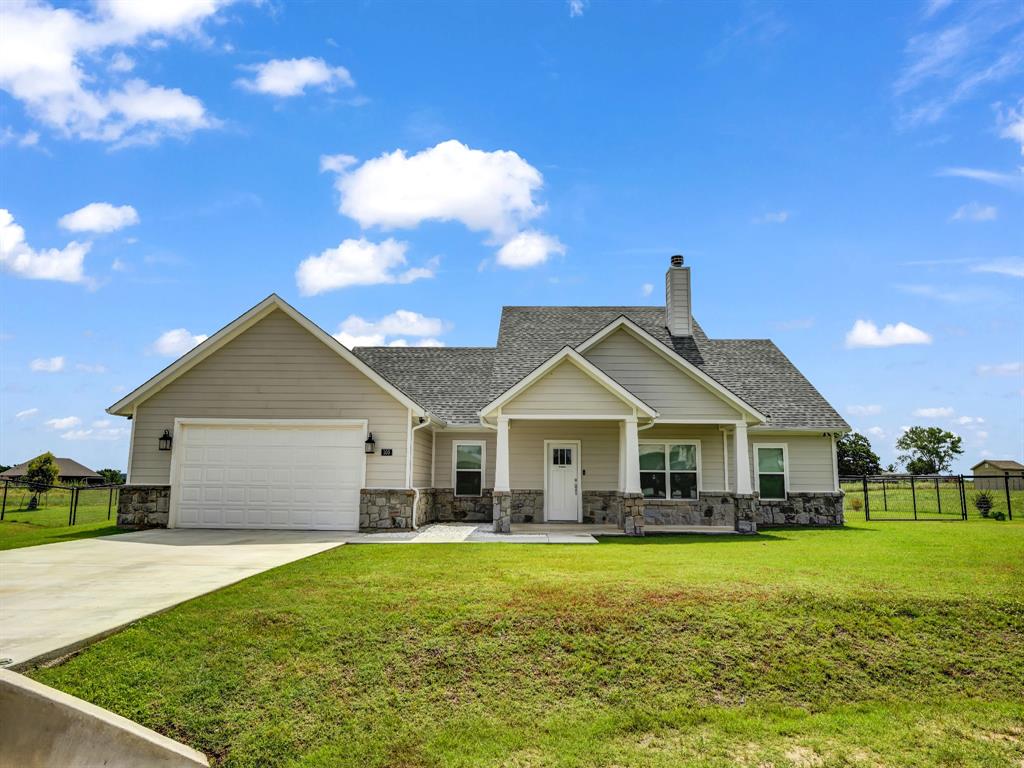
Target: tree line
(923, 451)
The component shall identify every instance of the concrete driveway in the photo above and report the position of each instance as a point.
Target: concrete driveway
(56, 598)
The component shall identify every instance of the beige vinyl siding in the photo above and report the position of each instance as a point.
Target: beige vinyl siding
(443, 455)
(711, 460)
(810, 460)
(275, 370)
(566, 390)
(673, 392)
(422, 442)
(599, 452)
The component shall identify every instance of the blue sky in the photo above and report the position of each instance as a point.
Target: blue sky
(846, 180)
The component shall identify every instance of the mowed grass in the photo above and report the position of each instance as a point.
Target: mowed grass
(881, 644)
(22, 527)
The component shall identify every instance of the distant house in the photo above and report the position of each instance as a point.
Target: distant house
(70, 472)
(990, 475)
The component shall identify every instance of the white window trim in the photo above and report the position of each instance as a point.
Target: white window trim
(668, 480)
(785, 467)
(482, 470)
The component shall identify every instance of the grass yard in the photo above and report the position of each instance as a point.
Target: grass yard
(881, 644)
(48, 524)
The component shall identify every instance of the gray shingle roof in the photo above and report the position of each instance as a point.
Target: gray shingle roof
(69, 468)
(455, 382)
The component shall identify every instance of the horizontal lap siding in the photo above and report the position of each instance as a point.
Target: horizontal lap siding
(711, 460)
(599, 452)
(443, 455)
(810, 460)
(649, 376)
(274, 370)
(421, 454)
(566, 390)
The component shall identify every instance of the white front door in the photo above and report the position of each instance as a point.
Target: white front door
(562, 492)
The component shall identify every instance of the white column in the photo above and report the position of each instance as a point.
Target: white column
(501, 481)
(632, 456)
(743, 486)
(622, 456)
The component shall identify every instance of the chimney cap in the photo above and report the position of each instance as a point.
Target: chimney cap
(677, 260)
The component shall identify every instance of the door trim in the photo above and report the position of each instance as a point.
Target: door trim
(178, 442)
(579, 476)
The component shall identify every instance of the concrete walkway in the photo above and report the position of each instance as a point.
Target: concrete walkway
(56, 598)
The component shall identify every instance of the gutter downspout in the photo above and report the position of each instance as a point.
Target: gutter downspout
(424, 421)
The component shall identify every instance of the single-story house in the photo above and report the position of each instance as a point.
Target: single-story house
(625, 416)
(71, 471)
(991, 475)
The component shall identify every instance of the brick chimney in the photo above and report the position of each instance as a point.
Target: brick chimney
(678, 308)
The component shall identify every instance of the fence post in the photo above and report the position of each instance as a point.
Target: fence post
(963, 499)
(885, 499)
(3, 509)
(867, 503)
(938, 496)
(913, 496)
(1009, 505)
(110, 501)
(71, 508)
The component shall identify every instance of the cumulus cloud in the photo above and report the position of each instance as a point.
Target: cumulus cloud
(975, 212)
(49, 63)
(19, 258)
(941, 412)
(176, 342)
(28, 413)
(866, 334)
(291, 77)
(336, 163)
(863, 410)
(576, 8)
(1001, 369)
(1012, 124)
(99, 217)
(968, 420)
(356, 331)
(359, 262)
(65, 423)
(47, 364)
(529, 249)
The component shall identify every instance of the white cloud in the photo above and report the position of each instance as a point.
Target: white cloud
(66, 423)
(28, 413)
(359, 262)
(99, 217)
(981, 436)
(773, 217)
(576, 8)
(1012, 124)
(10, 136)
(291, 77)
(647, 289)
(933, 7)
(118, 265)
(19, 258)
(355, 331)
(968, 420)
(1001, 369)
(876, 432)
(176, 342)
(866, 334)
(336, 163)
(91, 367)
(958, 295)
(485, 191)
(1008, 267)
(47, 364)
(863, 410)
(50, 57)
(529, 249)
(975, 212)
(106, 432)
(941, 412)
(996, 178)
(121, 62)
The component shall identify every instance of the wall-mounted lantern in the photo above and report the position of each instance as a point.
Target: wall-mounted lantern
(165, 440)
(369, 445)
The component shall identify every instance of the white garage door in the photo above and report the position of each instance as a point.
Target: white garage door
(269, 476)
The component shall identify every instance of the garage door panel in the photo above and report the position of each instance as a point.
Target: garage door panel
(269, 476)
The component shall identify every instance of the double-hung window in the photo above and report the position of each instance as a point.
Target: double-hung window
(670, 470)
(468, 467)
(771, 470)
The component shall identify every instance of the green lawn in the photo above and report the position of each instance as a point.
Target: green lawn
(22, 527)
(882, 644)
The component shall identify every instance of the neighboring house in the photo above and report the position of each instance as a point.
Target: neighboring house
(628, 416)
(70, 472)
(991, 475)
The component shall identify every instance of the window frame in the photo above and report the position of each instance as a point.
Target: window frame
(455, 469)
(668, 442)
(785, 470)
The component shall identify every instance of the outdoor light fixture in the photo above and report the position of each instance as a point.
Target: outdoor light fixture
(369, 445)
(165, 440)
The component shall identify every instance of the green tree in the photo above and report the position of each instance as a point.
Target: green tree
(928, 450)
(41, 473)
(112, 476)
(855, 455)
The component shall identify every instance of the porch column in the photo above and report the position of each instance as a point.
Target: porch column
(501, 481)
(743, 487)
(632, 500)
(632, 456)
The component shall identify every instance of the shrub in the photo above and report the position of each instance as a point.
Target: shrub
(856, 504)
(983, 502)
(997, 514)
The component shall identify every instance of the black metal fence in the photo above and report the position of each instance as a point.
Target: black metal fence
(57, 505)
(935, 497)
